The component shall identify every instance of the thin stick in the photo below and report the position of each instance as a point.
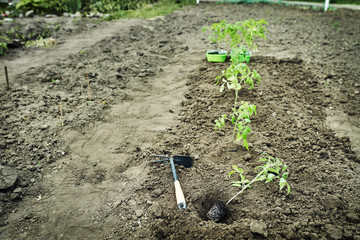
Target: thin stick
(88, 81)
(61, 116)
(7, 79)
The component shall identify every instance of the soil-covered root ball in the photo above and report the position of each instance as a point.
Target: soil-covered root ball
(218, 212)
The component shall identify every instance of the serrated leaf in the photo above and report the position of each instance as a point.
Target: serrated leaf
(261, 178)
(245, 132)
(246, 145)
(273, 170)
(270, 177)
(231, 173)
(282, 183)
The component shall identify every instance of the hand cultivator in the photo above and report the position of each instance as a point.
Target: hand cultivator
(185, 161)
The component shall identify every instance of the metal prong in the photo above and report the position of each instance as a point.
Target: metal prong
(161, 160)
(162, 156)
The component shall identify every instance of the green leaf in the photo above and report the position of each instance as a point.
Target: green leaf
(217, 125)
(246, 145)
(285, 175)
(273, 170)
(245, 132)
(222, 121)
(233, 119)
(239, 170)
(261, 178)
(270, 177)
(282, 183)
(231, 173)
(288, 188)
(236, 184)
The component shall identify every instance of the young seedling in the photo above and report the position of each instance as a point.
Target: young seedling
(240, 118)
(240, 33)
(238, 36)
(272, 170)
(234, 77)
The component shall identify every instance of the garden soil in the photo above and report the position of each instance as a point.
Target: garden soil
(83, 119)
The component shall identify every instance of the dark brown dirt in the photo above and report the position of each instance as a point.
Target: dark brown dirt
(86, 173)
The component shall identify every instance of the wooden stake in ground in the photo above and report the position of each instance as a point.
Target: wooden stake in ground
(7, 79)
(88, 81)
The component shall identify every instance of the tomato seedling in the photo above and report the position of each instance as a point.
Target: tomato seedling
(234, 77)
(240, 118)
(272, 170)
(240, 35)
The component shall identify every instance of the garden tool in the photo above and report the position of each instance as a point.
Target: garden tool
(185, 161)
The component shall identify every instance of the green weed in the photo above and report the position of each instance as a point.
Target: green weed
(41, 42)
(3, 45)
(57, 27)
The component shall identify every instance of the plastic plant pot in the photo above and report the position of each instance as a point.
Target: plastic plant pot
(243, 58)
(216, 55)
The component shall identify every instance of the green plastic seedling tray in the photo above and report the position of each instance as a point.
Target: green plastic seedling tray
(216, 55)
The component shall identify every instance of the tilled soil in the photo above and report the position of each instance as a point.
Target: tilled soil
(78, 136)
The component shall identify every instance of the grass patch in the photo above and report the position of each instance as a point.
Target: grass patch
(160, 8)
(356, 2)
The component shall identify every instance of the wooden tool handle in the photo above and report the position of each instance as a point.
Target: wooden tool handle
(180, 199)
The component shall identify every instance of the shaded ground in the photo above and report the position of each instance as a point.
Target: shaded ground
(84, 172)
